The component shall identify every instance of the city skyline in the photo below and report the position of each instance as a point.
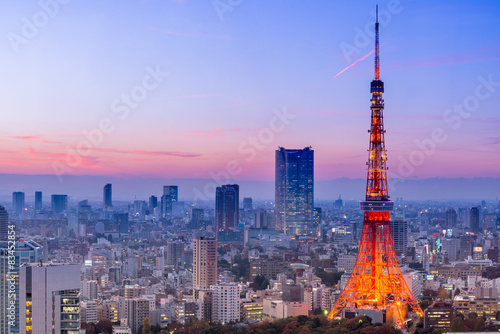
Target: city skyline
(228, 79)
(184, 166)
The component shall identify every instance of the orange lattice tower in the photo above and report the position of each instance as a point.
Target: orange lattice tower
(376, 282)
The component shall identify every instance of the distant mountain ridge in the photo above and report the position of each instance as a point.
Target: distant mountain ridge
(90, 187)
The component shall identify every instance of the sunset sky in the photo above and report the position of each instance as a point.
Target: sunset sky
(231, 70)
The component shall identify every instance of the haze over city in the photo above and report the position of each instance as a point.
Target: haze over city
(221, 82)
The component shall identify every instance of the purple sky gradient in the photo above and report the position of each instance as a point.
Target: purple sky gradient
(226, 78)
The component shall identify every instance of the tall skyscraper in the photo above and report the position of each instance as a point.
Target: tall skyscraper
(170, 195)
(294, 191)
(59, 203)
(475, 226)
(38, 201)
(227, 202)
(107, 198)
(451, 218)
(18, 202)
(172, 191)
(204, 263)
(121, 222)
(466, 246)
(4, 224)
(153, 203)
(48, 297)
(399, 230)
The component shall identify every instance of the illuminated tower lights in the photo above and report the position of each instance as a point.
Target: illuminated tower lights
(376, 282)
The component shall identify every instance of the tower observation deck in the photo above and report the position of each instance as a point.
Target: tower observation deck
(376, 282)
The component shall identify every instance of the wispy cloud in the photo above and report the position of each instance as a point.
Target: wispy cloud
(32, 137)
(148, 153)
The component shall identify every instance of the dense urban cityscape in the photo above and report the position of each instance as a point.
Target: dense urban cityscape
(228, 262)
(238, 262)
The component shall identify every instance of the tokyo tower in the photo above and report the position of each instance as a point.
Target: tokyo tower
(376, 282)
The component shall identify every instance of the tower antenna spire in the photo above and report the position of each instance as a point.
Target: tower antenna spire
(376, 282)
(377, 59)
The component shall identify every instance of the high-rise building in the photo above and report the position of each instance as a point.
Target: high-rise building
(475, 226)
(196, 218)
(451, 218)
(174, 254)
(317, 212)
(247, 203)
(451, 247)
(59, 203)
(225, 303)
(48, 296)
(294, 191)
(38, 201)
(84, 211)
(466, 246)
(121, 222)
(4, 224)
(153, 203)
(107, 198)
(261, 219)
(172, 191)
(227, 207)
(204, 263)
(18, 202)
(399, 230)
(138, 310)
(170, 195)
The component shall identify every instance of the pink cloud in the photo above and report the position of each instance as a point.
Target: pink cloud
(148, 153)
(33, 137)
